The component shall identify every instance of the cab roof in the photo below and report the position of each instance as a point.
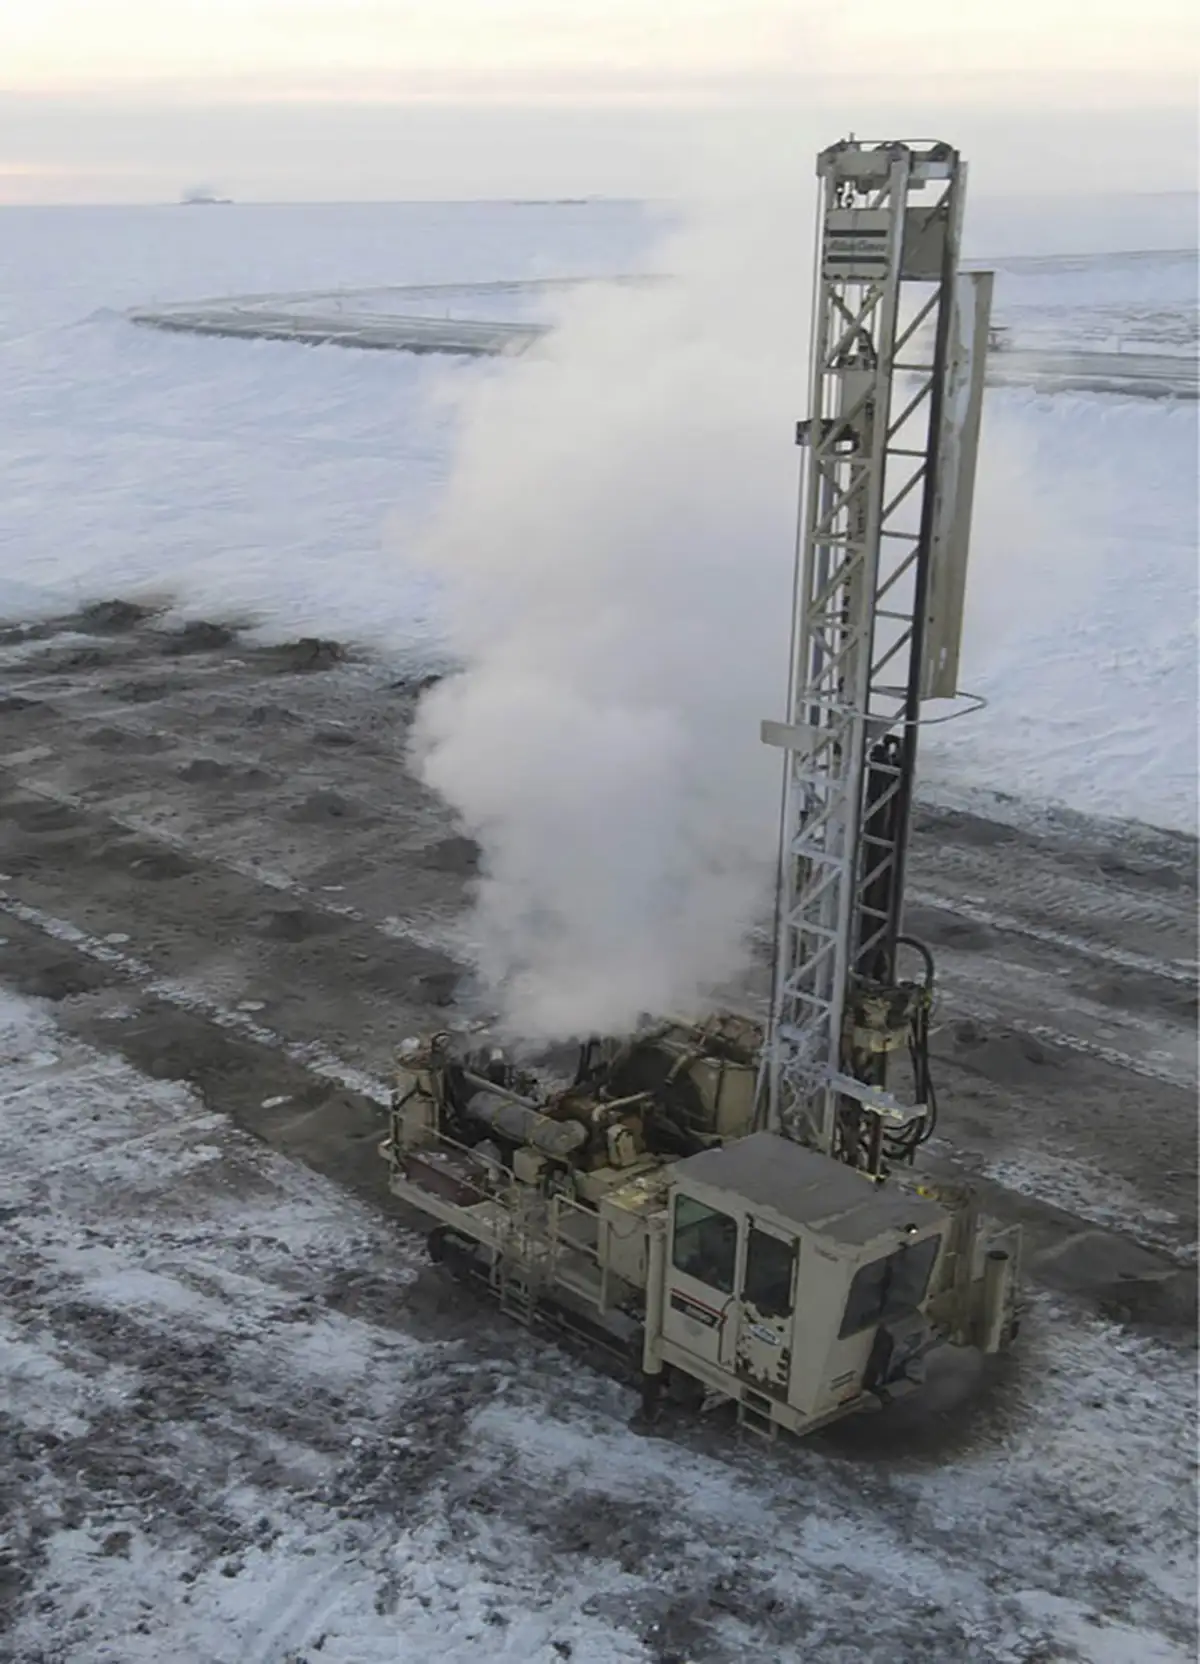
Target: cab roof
(804, 1188)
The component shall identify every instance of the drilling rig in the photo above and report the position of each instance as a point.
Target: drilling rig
(732, 1213)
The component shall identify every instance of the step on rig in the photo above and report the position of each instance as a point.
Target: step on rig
(732, 1214)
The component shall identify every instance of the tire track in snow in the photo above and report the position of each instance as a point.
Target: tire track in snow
(298, 1619)
(310, 1055)
(1170, 970)
(393, 929)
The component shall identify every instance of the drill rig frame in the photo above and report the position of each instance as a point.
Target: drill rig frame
(722, 1239)
(899, 344)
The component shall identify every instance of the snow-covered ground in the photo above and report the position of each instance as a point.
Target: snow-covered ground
(1081, 618)
(285, 484)
(242, 1430)
(243, 1422)
(1121, 302)
(255, 478)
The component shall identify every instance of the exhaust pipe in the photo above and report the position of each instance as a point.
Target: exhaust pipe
(997, 1299)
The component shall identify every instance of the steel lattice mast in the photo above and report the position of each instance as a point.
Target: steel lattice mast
(897, 361)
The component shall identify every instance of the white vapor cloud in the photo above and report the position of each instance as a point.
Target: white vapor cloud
(616, 545)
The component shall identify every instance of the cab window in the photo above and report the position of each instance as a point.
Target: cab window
(768, 1282)
(889, 1286)
(705, 1243)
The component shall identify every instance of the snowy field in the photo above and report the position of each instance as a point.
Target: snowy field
(245, 1422)
(245, 1432)
(286, 486)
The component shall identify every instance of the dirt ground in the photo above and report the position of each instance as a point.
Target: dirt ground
(214, 865)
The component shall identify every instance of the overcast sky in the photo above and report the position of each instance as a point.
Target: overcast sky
(136, 100)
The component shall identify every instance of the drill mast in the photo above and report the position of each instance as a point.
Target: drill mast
(898, 350)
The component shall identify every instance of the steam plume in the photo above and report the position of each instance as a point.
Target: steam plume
(616, 546)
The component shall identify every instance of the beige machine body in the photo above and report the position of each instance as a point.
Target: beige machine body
(754, 1269)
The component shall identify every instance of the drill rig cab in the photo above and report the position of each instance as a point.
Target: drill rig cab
(797, 1280)
(735, 1211)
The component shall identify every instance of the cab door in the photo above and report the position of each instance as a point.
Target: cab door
(766, 1303)
(700, 1308)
